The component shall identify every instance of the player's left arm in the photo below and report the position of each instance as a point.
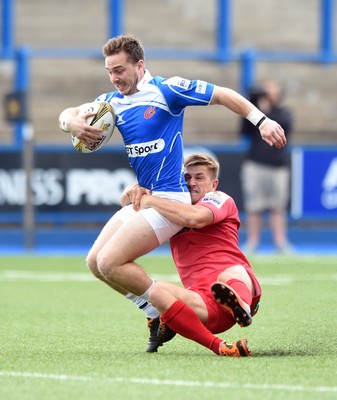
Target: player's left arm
(189, 216)
(271, 132)
(75, 123)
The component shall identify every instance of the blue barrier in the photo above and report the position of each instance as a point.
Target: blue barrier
(116, 12)
(7, 25)
(327, 30)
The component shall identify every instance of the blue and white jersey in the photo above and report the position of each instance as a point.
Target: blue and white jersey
(151, 124)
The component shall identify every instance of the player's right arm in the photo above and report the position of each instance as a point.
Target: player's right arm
(71, 121)
(187, 215)
(271, 132)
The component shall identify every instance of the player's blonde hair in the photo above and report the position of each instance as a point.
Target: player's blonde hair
(203, 159)
(127, 43)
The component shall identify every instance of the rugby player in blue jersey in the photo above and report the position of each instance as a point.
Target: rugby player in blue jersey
(150, 114)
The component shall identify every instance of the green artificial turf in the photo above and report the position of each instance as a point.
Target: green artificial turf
(65, 335)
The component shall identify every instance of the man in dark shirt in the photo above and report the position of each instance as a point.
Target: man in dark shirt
(266, 172)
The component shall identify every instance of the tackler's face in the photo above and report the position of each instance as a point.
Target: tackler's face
(199, 181)
(123, 73)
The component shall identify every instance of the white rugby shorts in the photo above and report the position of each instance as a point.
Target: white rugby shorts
(163, 228)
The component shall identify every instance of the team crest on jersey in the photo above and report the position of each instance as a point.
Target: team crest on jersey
(178, 81)
(215, 198)
(149, 112)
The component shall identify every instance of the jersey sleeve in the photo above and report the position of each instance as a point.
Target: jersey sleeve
(180, 93)
(107, 96)
(221, 205)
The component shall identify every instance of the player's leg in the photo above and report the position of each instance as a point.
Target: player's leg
(145, 231)
(183, 311)
(136, 237)
(234, 291)
(164, 294)
(107, 232)
(133, 239)
(173, 293)
(152, 314)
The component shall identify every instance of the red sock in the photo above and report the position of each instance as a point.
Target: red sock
(241, 289)
(183, 320)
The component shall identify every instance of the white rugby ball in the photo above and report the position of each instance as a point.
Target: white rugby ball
(104, 119)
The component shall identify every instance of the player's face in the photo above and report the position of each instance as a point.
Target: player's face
(123, 74)
(199, 181)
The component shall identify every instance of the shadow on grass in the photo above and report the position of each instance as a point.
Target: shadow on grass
(284, 353)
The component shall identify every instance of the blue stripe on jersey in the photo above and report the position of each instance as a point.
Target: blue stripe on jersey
(151, 124)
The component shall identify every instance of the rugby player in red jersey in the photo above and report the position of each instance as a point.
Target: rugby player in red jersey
(220, 287)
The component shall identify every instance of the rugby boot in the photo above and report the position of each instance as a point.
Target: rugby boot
(236, 349)
(232, 302)
(154, 342)
(164, 333)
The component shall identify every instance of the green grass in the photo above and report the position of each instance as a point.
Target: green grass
(64, 335)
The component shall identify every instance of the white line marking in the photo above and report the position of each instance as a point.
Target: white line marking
(48, 276)
(168, 382)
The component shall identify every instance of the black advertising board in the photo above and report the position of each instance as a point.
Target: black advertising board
(67, 181)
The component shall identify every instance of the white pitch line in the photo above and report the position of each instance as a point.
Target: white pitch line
(46, 276)
(49, 276)
(168, 382)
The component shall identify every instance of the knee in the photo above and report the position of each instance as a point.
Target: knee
(105, 265)
(235, 272)
(238, 272)
(91, 262)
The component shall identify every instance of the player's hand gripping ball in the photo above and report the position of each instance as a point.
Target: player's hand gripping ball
(104, 119)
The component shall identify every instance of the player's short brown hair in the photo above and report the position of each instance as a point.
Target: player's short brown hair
(129, 44)
(203, 159)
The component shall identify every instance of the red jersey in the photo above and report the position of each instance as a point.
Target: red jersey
(198, 253)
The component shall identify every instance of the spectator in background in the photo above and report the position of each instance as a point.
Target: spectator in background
(265, 172)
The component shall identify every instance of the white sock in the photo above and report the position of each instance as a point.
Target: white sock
(144, 305)
(146, 295)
